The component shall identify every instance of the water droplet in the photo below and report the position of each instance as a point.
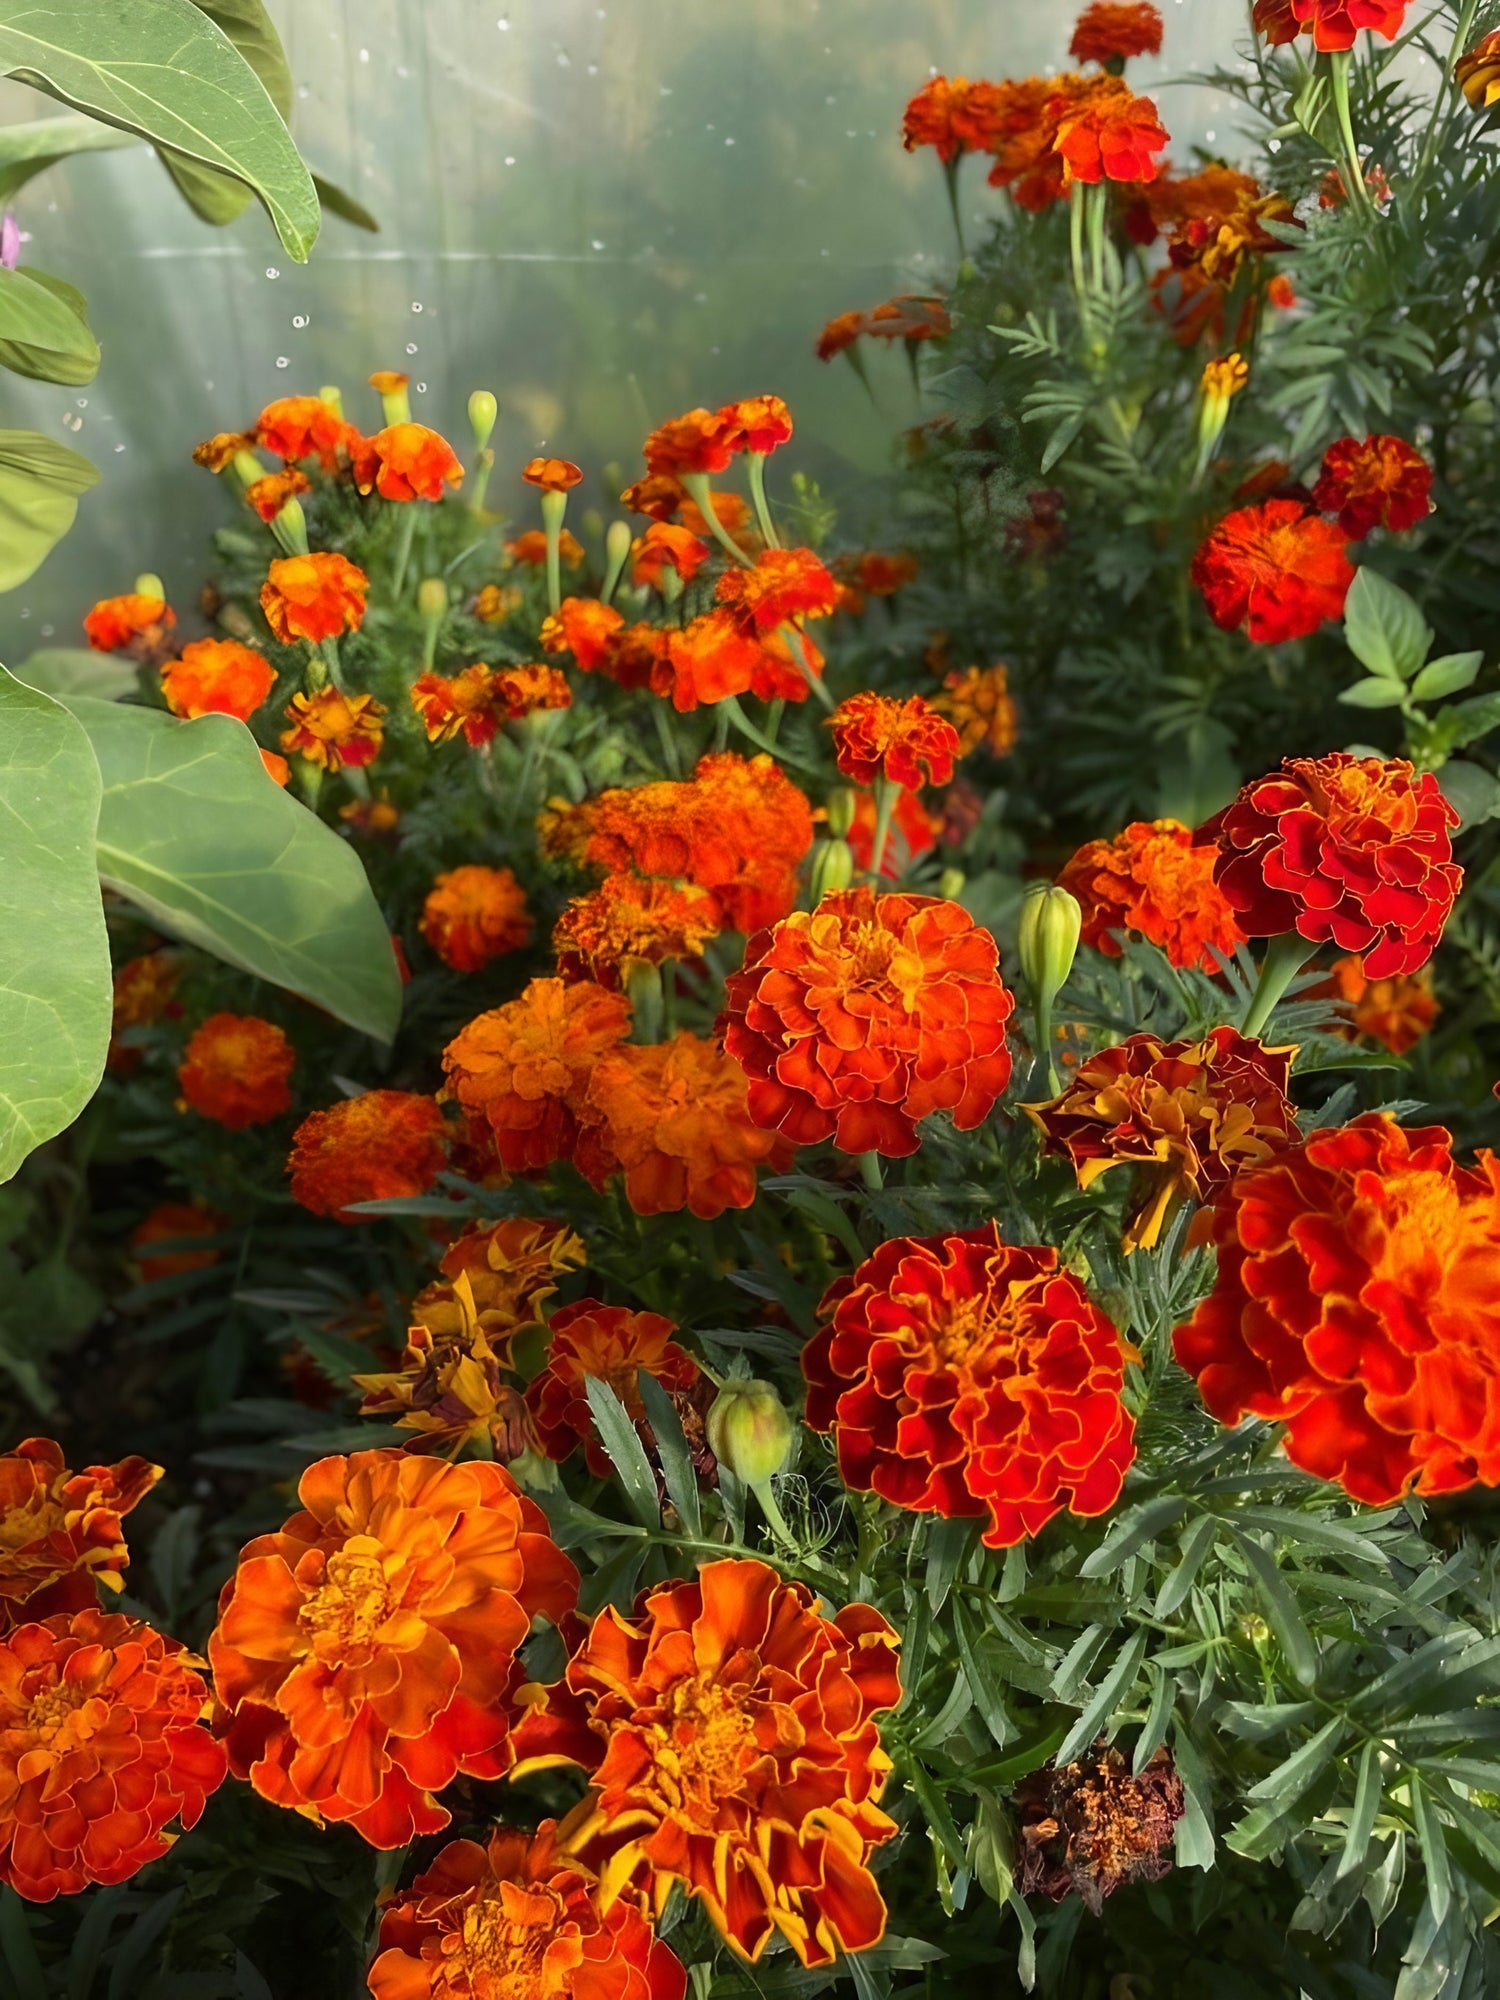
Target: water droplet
(593, 69)
(510, 159)
(416, 305)
(364, 55)
(564, 60)
(729, 142)
(119, 447)
(272, 272)
(421, 388)
(82, 402)
(299, 319)
(595, 244)
(503, 25)
(411, 347)
(283, 361)
(47, 631)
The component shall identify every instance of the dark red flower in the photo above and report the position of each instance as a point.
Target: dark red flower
(1275, 569)
(1383, 482)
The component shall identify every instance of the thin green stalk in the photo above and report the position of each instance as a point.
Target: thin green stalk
(730, 706)
(667, 740)
(1096, 200)
(405, 532)
(1284, 959)
(886, 794)
(950, 175)
(756, 461)
(1466, 14)
(870, 1171)
(1338, 69)
(813, 680)
(699, 491)
(554, 508)
(1077, 195)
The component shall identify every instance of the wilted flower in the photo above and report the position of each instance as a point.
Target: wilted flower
(217, 677)
(450, 1387)
(473, 915)
(236, 1070)
(60, 1533)
(379, 1146)
(1089, 1827)
(314, 597)
(332, 729)
(270, 494)
(512, 1267)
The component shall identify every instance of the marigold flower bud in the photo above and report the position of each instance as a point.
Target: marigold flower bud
(432, 597)
(748, 1430)
(483, 410)
(333, 396)
(842, 806)
(832, 868)
(1221, 382)
(150, 585)
(1051, 922)
(617, 542)
(951, 884)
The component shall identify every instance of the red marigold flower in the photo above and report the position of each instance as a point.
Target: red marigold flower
(979, 704)
(858, 1019)
(674, 1117)
(314, 597)
(363, 1652)
(1109, 33)
(1275, 569)
(296, 427)
(471, 701)
(665, 546)
(951, 115)
(911, 834)
(1151, 879)
(379, 1146)
(525, 1067)
(1352, 1305)
(269, 495)
(700, 441)
(1335, 24)
(840, 333)
(102, 1746)
(1106, 132)
(1382, 483)
(177, 1223)
(552, 475)
(217, 677)
(1397, 1013)
(730, 1736)
(706, 660)
(236, 1071)
(961, 1375)
(1276, 22)
(1185, 1115)
(586, 627)
(530, 549)
(906, 742)
(144, 990)
(115, 621)
(1353, 851)
(331, 729)
(631, 921)
(532, 690)
(1478, 73)
(526, 1914)
(784, 583)
(879, 575)
(759, 424)
(608, 1344)
(475, 914)
(406, 462)
(60, 1534)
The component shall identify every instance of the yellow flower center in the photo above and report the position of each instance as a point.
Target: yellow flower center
(704, 1750)
(62, 1717)
(344, 1613)
(510, 1948)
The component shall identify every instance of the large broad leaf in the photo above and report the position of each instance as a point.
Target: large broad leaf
(33, 147)
(164, 70)
(43, 331)
(197, 834)
(216, 197)
(63, 671)
(40, 482)
(54, 954)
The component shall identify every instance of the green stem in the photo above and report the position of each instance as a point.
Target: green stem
(554, 507)
(667, 740)
(1339, 75)
(886, 794)
(1466, 14)
(405, 531)
(1284, 959)
(1042, 1007)
(731, 707)
(870, 1171)
(701, 496)
(483, 466)
(756, 461)
(805, 665)
(775, 1520)
(950, 175)
(1077, 195)
(1096, 201)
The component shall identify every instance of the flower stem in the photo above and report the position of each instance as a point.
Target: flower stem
(805, 664)
(886, 794)
(1096, 200)
(1077, 195)
(870, 1171)
(756, 461)
(405, 531)
(1284, 959)
(699, 492)
(554, 507)
(950, 175)
(1339, 75)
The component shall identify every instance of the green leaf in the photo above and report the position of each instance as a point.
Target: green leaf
(1434, 1852)
(90, 1939)
(989, 1695)
(216, 197)
(29, 149)
(344, 206)
(63, 671)
(672, 1450)
(1467, 721)
(1116, 1683)
(1471, 791)
(948, 1546)
(1281, 1609)
(55, 994)
(1384, 628)
(1367, 1791)
(1449, 675)
(1374, 694)
(1158, 1719)
(39, 487)
(131, 1958)
(164, 70)
(43, 332)
(627, 1454)
(1193, 1840)
(197, 834)
(17, 1949)
(1135, 1527)
(1292, 1777)
(1195, 1546)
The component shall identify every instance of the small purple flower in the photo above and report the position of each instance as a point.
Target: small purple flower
(10, 241)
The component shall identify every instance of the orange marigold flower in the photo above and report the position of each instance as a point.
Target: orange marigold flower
(1110, 33)
(609, 1344)
(700, 441)
(674, 1117)
(979, 704)
(1106, 132)
(217, 677)
(533, 689)
(1478, 73)
(314, 597)
(1353, 1303)
(173, 1225)
(586, 628)
(388, 381)
(1397, 1012)
(1383, 483)
(363, 1652)
(525, 1067)
(1353, 851)
(406, 462)
(1336, 24)
(296, 427)
(1027, 161)
(883, 575)
(144, 990)
(269, 495)
(962, 1375)
(530, 1919)
(951, 115)
(905, 742)
(911, 834)
(631, 921)
(236, 1071)
(1153, 881)
(332, 729)
(665, 546)
(1186, 1115)
(910, 316)
(379, 1146)
(115, 621)
(840, 333)
(760, 424)
(784, 583)
(530, 549)
(659, 494)
(706, 660)
(471, 701)
(102, 1746)
(552, 475)
(60, 1534)
(221, 450)
(494, 604)
(475, 914)
(859, 1019)
(1275, 569)
(449, 1388)
(511, 1267)
(729, 1732)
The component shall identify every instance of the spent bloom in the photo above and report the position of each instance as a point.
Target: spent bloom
(268, 495)
(60, 1533)
(1153, 881)
(1089, 1827)
(379, 1146)
(217, 677)
(237, 1071)
(474, 915)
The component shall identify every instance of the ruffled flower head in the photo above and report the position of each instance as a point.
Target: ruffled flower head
(451, 1388)
(406, 462)
(1153, 881)
(470, 701)
(631, 921)
(383, 1145)
(1105, 132)
(700, 441)
(1478, 72)
(782, 584)
(1334, 25)
(297, 427)
(237, 1071)
(1111, 32)
(979, 704)
(161, 1244)
(1396, 1012)
(314, 597)
(552, 475)
(473, 915)
(760, 424)
(332, 729)
(1383, 482)
(906, 742)
(267, 496)
(1275, 569)
(951, 115)
(529, 549)
(511, 1267)
(666, 546)
(217, 677)
(592, 1341)
(60, 1533)
(117, 622)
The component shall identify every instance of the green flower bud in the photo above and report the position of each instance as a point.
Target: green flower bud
(291, 527)
(483, 410)
(333, 396)
(841, 809)
(951, 884)
(1050, 925)
(432, 597)
(617, 540)
(832, 868)
(149, 585)
(748, 1430)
